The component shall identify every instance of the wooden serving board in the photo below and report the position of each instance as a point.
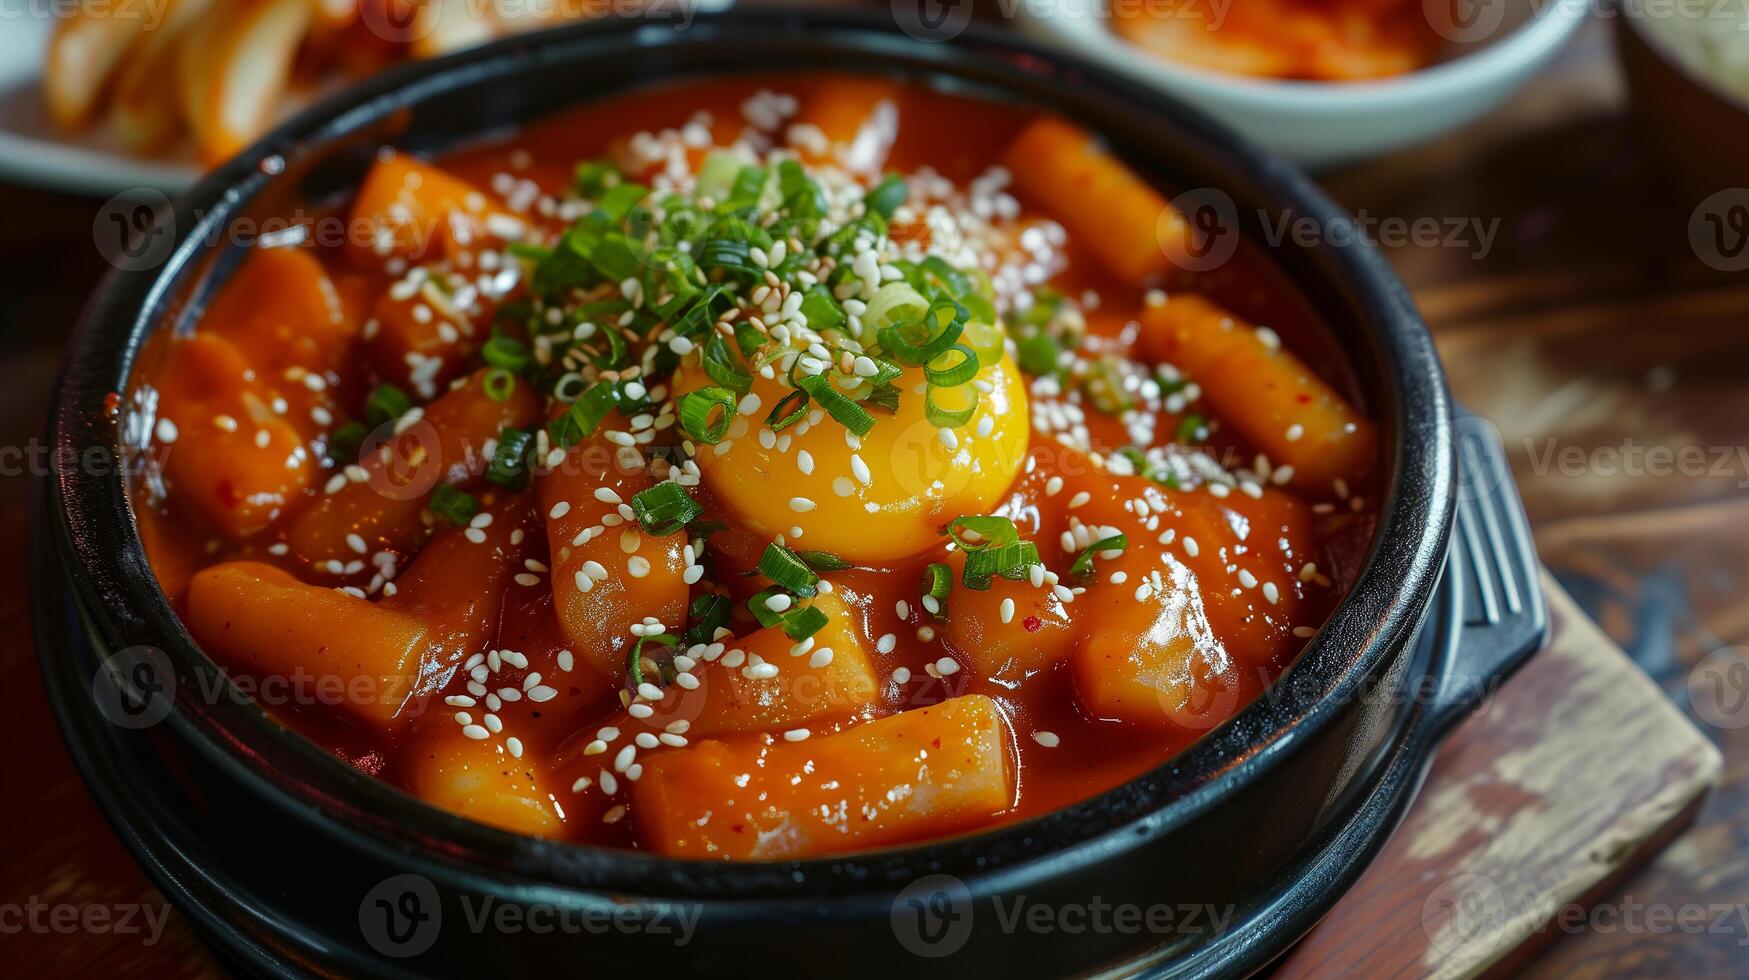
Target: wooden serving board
(1566, 779)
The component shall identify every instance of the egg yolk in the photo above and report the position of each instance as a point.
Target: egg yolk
(882, 496)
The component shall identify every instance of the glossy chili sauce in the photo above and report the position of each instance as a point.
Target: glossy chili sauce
(423, 671)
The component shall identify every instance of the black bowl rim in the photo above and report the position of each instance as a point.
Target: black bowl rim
(99, 540)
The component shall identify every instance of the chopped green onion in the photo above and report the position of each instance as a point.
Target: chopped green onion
(585, 414)
(705, 414)
(1083, 566)
(635, 657)
(617, 201)
(952, 367)
(946, 418)
(499, 384)
(724, 367)
(799, 624)
(756, 604)
(825, 561)
(455, 506)
(509, 468)
(345, 442)
(1038, 353)
(789, 410)
(595, 176)
(986, 340)
(508, 353)
(665, 508)
(848, 413)
(1009, 560)
(993, 547)
(978, 532)
(884, 397)
(1189, 426)
(709, 613)
(885, 197)
(821, 310)
(788, 570)
(1105, 386)
(937, 582)
(915, 342)
(890, 301)
(386, 404)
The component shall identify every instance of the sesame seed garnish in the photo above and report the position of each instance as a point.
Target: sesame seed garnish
(1047, 739)
(801, 505)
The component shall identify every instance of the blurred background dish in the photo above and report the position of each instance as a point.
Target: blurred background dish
(1322, 82)
(129, 95)
(1687, 67)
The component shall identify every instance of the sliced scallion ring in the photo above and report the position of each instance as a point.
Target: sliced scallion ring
(937, 582)
(948, 416)
(952, 367)
(705, 414)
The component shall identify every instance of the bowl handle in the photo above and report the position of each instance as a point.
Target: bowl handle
(1498, 578)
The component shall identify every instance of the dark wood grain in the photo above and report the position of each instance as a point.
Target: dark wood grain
(1532, 817)
(1589, 322)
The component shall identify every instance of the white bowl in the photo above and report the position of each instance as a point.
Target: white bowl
(1500, 44)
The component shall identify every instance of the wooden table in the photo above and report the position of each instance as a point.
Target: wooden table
(1588, 325)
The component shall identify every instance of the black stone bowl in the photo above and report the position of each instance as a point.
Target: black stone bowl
(291, 862)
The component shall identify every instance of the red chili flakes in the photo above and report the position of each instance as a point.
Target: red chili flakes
(1032, 624)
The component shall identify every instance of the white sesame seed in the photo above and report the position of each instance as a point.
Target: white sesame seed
(796, 735)
(1008, 610)
(1047, 739)
(801, 505)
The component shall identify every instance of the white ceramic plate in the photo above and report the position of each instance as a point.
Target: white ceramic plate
(1499, 45)
(35, 151)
